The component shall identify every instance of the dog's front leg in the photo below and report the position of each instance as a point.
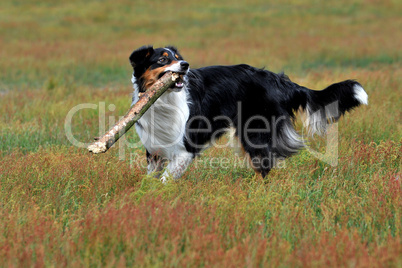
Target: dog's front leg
(155, 165)
(177, 166)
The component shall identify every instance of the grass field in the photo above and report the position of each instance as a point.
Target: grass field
(60, 206)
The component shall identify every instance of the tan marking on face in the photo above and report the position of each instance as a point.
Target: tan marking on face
(176, 56)
(151, 76)
(165, 54)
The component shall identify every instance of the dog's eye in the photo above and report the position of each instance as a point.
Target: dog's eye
(162, 60)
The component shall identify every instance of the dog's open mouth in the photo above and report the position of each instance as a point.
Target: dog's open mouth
(180, 81)
(179, 84)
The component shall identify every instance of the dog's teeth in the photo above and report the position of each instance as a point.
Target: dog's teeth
(179, 84)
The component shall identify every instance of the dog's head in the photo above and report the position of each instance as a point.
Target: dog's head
(150, 64)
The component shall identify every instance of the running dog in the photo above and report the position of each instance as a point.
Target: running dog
(204, 103)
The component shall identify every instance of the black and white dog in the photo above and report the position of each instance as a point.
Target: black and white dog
(259, 105)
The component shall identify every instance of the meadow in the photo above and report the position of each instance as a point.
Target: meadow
(61, 206)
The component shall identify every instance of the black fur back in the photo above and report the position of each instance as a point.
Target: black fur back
(259, 104)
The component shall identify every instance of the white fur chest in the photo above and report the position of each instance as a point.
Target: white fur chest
(162, 128)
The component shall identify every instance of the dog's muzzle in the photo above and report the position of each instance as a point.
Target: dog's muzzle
(178, 86)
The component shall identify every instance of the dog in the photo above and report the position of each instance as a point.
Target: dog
(204, 103)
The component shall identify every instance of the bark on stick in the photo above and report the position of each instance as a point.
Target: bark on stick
(134, 114)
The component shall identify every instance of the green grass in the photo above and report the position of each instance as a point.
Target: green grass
(60, 206)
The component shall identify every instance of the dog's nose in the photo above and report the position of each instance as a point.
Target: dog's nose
(184, 64)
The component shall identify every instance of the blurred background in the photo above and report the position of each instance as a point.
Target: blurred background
(88, 42)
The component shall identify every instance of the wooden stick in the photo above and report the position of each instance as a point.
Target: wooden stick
(103, 143)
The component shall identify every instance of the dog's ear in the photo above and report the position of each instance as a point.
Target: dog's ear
(140, 55)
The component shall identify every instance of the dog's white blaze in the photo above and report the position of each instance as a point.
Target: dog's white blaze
(171, 52)
(175, 67)
(360, 94)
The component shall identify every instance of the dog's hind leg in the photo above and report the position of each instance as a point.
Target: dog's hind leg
(177, 166)
(258, 152)
(262, 161)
